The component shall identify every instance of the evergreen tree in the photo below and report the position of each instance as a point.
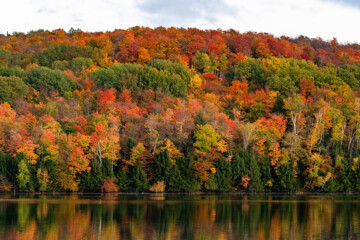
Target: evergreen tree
(343, 173)
(9, 165)
(255, 184)
(139, 180)
(173, 180)
(165, 171)
(3, 164)
(199, 119)
(162, 167)
(279, 104)
(90, 181)
(210, 184)
(107, 169)
(238, 170)
(223, 175)
(356, 176)
(285, 181)
(265, 172)
(123, 181)
(129, 144)
(187, 181)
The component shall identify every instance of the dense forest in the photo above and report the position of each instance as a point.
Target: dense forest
(178, 110)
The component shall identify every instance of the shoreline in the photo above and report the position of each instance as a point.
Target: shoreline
(182, 193)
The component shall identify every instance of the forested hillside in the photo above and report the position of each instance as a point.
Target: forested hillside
(178, 110)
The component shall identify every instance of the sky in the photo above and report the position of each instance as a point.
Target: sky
(313, 18)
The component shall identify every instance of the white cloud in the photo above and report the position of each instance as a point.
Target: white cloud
(313, 18)
(89, 15)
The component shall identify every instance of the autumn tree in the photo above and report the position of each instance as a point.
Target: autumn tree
(208, 141)
(23, 177)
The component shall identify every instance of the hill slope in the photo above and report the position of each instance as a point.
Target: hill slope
(178, 110)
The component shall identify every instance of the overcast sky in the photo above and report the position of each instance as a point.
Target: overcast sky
(312, 18)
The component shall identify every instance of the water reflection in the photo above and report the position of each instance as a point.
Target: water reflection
(179, 217)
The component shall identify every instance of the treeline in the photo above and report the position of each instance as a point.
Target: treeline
(82, 112)
(141, 44)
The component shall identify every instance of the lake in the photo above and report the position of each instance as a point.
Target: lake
(179, 216)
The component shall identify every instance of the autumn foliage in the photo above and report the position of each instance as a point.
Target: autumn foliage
(180, 110)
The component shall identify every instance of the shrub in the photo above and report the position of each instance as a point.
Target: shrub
(108, 185)
(5, 186)
(158, 187)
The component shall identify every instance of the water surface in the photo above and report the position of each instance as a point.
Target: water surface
(226, 216)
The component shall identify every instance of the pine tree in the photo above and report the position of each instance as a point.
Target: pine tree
(238, 170)
(265, 172)
(255, 184)
(106, 169)
(139, 180)
(343, 173)
(162, 167)
(223, 175)
(187, 181)
(165, 171)
(210, 184)
(123, 181)
(355, 176)
(91, 181)
(173, 180)
(5, 165)
(286, 178)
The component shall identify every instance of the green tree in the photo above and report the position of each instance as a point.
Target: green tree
(202, 62)
(42, 78)
(210, 184)
(23, 177)
(8, 72)
(207, 138)
(12, 88)
(91, 181)
(43, 180)
(238, 170)
(343, 173)
(162, 167)
(79, 64)
(139, 180)
(355, 176)
(285, 179)
(250, 69)
(135, 77)
(165, 171)
(9, 165)
(61, 52)
(255, 184)
(174, 68)
(60, 65)
(123, 181)
(223, 175)
(188, 180)
(199, 119)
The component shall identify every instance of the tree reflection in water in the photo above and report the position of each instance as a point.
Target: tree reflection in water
(179, 217)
